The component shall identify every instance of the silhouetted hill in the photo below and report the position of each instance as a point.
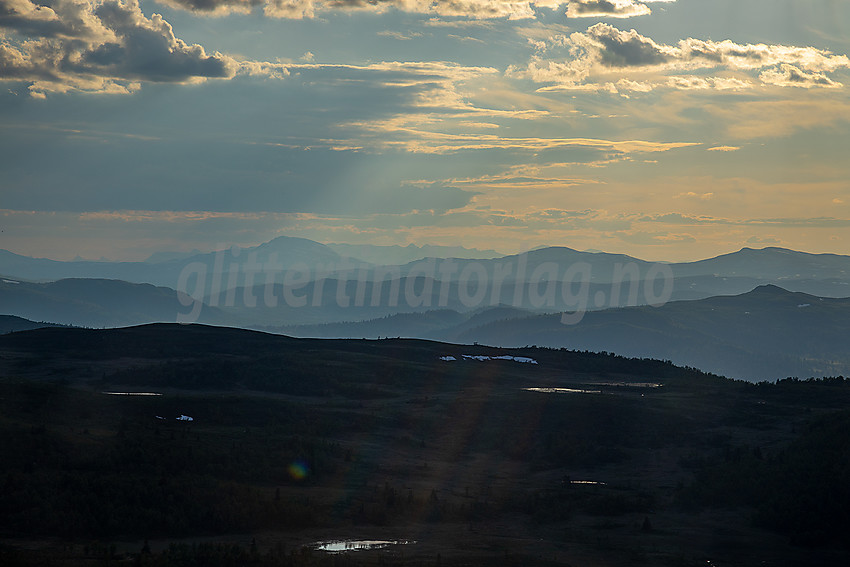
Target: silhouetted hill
(96, 303)
(767, 333)
(409, 325)
(165, 444)
(770, 264)
(199, 357)
(439, 324)
(11, 324)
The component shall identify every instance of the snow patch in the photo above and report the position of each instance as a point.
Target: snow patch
(523, 359)
(185, 418)
(516, 359)
(804, 305)
(337, 546)
(562, 390)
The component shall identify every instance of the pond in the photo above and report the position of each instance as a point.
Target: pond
(131, 393)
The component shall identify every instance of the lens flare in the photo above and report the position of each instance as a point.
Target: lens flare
(298, 470)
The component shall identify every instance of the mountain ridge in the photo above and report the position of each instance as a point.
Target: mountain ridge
(766, 333)
(292, 250)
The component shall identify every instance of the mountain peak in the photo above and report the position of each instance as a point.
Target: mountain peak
(769, 250)
(774, 291)
(771, 289)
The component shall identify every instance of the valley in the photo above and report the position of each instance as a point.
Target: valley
(608, 461)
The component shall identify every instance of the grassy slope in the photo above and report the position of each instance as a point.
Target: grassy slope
(398, 444)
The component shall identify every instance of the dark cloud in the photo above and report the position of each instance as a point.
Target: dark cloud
(626, 49)
(215, 6)
(296, 9)
(606, 8)
(111, 46)
(610, 54)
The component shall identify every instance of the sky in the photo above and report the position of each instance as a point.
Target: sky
(665, 129)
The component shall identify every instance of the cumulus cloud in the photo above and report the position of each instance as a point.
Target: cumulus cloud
(298, 9)
(97, 46)
(609, 8)
(790, 76)
(220, 8)
(603, 56)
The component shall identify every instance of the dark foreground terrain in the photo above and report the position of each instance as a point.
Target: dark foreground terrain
(292, 442)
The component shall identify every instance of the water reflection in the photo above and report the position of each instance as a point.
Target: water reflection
(131, 393)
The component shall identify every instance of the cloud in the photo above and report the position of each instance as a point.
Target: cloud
(107, 46)
(609, 8)
(299, 9)
(816, 222)
(687, 219)
(655, 238)
(609, 59)
(692, 195)
(777, 118)
(679, 219)
(724, 149)
(221, 7)
(398, 133)
(399, 35)
(790, 76)
(110, 46)
(763, 240)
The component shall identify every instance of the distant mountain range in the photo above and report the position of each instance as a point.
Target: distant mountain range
(165, 269)
(203, 275)
(754, 314)
(406, 254)
(291, 281)
(298, 281)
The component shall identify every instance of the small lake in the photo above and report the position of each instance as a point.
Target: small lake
(131, 393)
(340, 546)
